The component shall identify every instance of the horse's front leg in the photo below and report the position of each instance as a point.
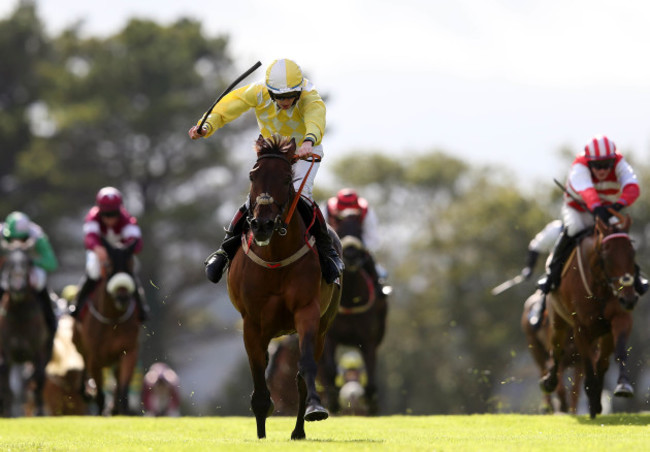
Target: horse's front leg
(123, 376)
(369, 352)
(576, 387)
(6, 396)
(256, 349)
(559, 333)
(39, 383)
(621, 327)
(94, 385)
(595, 359)
(311, 342)
(327, 369)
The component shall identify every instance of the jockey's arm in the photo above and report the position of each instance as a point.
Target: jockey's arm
(45, 255)
(101, 253)
(305, 149)
(233, 105)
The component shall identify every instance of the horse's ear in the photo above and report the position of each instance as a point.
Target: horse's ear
(291, 149)
(259, 143)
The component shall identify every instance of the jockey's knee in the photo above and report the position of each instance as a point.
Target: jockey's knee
(93, 266)
(38, 279)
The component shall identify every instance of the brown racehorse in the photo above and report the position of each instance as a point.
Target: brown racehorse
(361, 320)
(595, 300)
(275, 283)
(64, 374)
(539, 345)
(106, 333)
(23, 331)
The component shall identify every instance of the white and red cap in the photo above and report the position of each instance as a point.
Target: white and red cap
(600, 148)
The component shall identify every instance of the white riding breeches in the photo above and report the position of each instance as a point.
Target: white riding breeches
(93, 266)
(545, 239)
(38, 278)
(94, 269)
(300, 169)
(576, 221)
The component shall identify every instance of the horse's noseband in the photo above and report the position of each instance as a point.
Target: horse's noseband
(264, 199)
(618, 283)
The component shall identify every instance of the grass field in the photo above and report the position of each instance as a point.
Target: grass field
(625, 432)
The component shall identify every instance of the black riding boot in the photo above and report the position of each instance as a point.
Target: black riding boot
(551, 280)
(331, 264)
(531, 260)
(50, 317)
(87, 286)
(217, 262)
(640, 283)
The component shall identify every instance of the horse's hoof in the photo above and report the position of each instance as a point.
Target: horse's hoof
(315, 413)
(91, 388)
(298, 435)
(548, 384)
(624, 390)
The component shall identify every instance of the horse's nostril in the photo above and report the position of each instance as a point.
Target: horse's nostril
(269, 224)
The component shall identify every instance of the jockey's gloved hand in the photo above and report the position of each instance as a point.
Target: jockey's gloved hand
(617, 206)
(526, 272)
(602, 212)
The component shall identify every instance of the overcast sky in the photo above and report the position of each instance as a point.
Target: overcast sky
(491, 81)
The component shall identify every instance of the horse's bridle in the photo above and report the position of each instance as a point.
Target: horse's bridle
(626, 280)
(280, 226)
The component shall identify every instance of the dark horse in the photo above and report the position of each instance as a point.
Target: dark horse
(539, 345)
(361, 320)
(106, 333)
(23, 331)
(284, 353)
(595, 300)
(275, 283)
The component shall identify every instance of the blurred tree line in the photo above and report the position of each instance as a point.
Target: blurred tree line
(78, 113)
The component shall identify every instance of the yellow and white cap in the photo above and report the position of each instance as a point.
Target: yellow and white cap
(284, 76)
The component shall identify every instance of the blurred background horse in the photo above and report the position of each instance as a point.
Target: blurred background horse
(64, 372)
(23, 332)
(361, 319)
(161, 391)
(566, 395)
(106, 332)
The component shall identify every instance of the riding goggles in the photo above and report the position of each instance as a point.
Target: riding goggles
(601, 164)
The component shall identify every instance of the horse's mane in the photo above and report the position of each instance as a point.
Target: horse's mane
(277, 145)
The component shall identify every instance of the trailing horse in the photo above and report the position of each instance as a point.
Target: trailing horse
(595, 300)
(23, 331)
(539, 345)
(106, 332)
(275, 282)
(361, 319)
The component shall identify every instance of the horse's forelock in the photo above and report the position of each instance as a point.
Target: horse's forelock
(275, 144)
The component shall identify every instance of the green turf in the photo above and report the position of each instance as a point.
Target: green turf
(627, 432)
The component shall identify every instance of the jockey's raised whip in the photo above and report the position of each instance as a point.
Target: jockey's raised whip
(232, 85)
